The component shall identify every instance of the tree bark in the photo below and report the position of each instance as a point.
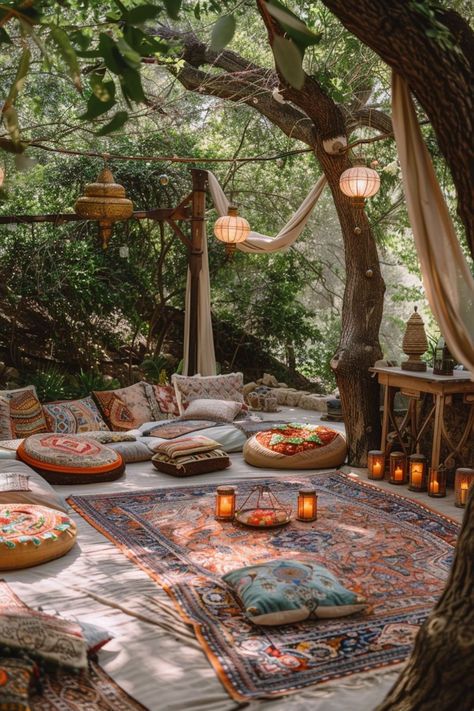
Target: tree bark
(441, 77)
(439, 672)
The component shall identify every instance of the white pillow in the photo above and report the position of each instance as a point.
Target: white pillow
(215, 410)
(218, 387)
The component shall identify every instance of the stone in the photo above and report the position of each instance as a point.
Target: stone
(282, 385)
(269, 380)
(314, 402)
(248, 388)
(281, 394)
(293, 399)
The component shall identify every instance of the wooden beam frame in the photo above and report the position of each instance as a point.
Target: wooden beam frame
(190, 209)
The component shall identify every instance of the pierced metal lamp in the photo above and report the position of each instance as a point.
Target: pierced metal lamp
(104, 201)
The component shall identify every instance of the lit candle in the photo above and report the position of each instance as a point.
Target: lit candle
(377, 468)
(398, 474)
(434, 487)
(225, 503)
(307, 504)
(416, 474)
(463, 492)
(225, 507)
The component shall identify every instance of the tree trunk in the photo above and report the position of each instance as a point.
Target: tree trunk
(438, 66)
(439, 675)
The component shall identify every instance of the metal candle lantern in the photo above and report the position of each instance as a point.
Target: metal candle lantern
(417, 472)
(307, 504)
(398, 468)
(225, 503)
(376, 464)
(443, 360)
(463, 481)
(437, 482)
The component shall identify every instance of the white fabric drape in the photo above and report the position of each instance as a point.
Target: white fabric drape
(448, 282)
(255, 243)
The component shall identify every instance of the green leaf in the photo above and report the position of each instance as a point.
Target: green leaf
(96, 107)
(104, 91)
(112, 57)
(172, 8)
(142, 13)
(131, 57)
(68, 54)
(293, 26)
(132, 85)
(20, 77)
(289, 61)
(223, 32)
(115, 124)
(4, 37)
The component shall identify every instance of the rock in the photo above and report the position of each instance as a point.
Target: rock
(269, 380)
(248, 388)
(293, 399)
(314, 402)
(281, 394)
(282, 385)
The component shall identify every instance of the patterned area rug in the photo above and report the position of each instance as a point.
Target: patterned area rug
(63, 690)
(395, 552)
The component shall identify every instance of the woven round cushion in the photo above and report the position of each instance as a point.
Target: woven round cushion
(69, 459)
(296, 446)
(31, 534)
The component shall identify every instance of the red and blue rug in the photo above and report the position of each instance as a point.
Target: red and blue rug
(393, 551)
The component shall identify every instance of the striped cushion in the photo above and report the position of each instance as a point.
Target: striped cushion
(199, 463)
(186, 446)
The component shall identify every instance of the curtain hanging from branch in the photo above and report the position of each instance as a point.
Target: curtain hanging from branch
(256, 243)
(447, 279)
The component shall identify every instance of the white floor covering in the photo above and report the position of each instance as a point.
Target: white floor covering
(153, 655)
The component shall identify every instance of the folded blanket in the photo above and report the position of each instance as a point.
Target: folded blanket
(187, 446)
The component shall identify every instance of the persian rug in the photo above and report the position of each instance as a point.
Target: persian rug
(391, 550)
(62, 689)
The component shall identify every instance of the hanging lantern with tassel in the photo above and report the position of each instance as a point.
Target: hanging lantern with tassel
(105, 202)
(231, 229)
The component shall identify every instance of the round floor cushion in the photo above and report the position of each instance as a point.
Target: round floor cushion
(69, 459)
(296, 446)
(31, 534)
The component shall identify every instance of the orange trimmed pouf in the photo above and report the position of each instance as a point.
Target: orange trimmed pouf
(68, 459)
(31, 534)
(296, 446)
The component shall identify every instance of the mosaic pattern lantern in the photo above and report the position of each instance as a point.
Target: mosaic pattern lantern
(398, 468)
(104, 201)
(463, 481)
(359, 183)
(225, 503)
(417, 472)
(437, 482)
(376, 464)
(231, 229)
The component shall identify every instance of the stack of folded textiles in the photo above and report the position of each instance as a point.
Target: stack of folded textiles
(189, 456)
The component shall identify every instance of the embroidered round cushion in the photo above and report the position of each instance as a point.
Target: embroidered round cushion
(69, 459)
(31, 534)
(296, 446)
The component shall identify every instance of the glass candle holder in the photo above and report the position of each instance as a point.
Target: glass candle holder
(307, 509)
(225, 503)
(376, 464)
(437, 482)
(398, 468)
(417, 473)
(463, 481)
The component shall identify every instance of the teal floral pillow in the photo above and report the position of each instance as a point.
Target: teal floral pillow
(282, 592)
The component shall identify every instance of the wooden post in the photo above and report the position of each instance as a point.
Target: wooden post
(195, 262)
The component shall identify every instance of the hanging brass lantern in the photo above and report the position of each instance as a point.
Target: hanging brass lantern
(104, 201)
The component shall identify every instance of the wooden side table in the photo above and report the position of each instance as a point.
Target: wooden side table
(417, 387)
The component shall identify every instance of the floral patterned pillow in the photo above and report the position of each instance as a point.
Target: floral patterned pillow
(207, 387)
(282, 592)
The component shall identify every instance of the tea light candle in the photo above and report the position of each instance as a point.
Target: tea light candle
(417, 472)
(398, 468)
(225, 503)
(307, 505)
(434, 487)
(463, 493)
(398, 474)
(437, 482)
(376, 464)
